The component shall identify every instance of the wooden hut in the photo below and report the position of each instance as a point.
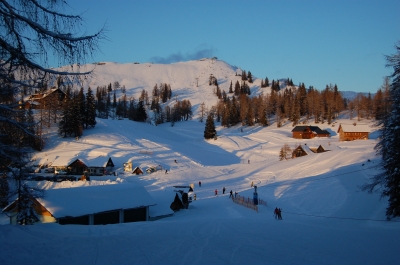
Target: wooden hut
(299, 151)
(319, 149)
(92, 205)
(137, 171)
(309, 132)
(354, 131)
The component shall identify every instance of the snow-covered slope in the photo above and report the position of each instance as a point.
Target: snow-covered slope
(326, 218)
(188, 80)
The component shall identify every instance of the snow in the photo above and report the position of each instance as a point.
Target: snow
(355, 127)
(94, 199)
(326, 218)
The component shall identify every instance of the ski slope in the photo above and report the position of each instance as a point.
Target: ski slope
(326, 218)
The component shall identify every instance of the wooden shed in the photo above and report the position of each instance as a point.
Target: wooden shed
(319, 149)
(309, 132)
(299, 151)
(92, 205)
(137, 171)
(354, 131)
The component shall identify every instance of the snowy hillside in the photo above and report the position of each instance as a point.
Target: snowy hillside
(326, 218)
(188, 80)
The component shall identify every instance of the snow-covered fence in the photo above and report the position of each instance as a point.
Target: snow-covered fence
(247, 202)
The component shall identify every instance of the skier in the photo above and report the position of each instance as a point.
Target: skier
(230, 194)
(276, 212)
(279, 214)
(223, 190)
(216, 192)
(199, 183)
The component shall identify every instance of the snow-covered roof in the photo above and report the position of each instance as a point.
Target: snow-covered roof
(99, 161)
(89, 161)
(95, 199)
(355, 127)
(63, 161)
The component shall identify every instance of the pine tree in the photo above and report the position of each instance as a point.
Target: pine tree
(141, 112)
(244, 75)
(209, 131)
(266, 83)
(90, 114)
(75, 119)
(64, 126)
(250, 77)
(230, 88)
(237, 88)
(389, 145)
(4, 191)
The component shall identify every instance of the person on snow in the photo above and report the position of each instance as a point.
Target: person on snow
(279, 214)
(223, 190)
(199, 183)
(276, 212)
(216, 192)
(231, 194)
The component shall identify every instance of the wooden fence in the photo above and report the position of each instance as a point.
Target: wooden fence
(246, 202)
(262, 202)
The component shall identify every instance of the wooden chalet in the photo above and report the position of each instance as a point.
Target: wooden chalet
(48, 99)
(309, 132)
(77, 167)
(298, 152)
(95, 166)
(354, 131)
(92, 205)
(99, 166)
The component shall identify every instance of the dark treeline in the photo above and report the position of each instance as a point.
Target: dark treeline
(79, 111)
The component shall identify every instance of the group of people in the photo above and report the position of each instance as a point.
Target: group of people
(223, 191)
(278, 213)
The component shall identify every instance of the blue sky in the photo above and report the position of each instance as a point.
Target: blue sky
(314, 42)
